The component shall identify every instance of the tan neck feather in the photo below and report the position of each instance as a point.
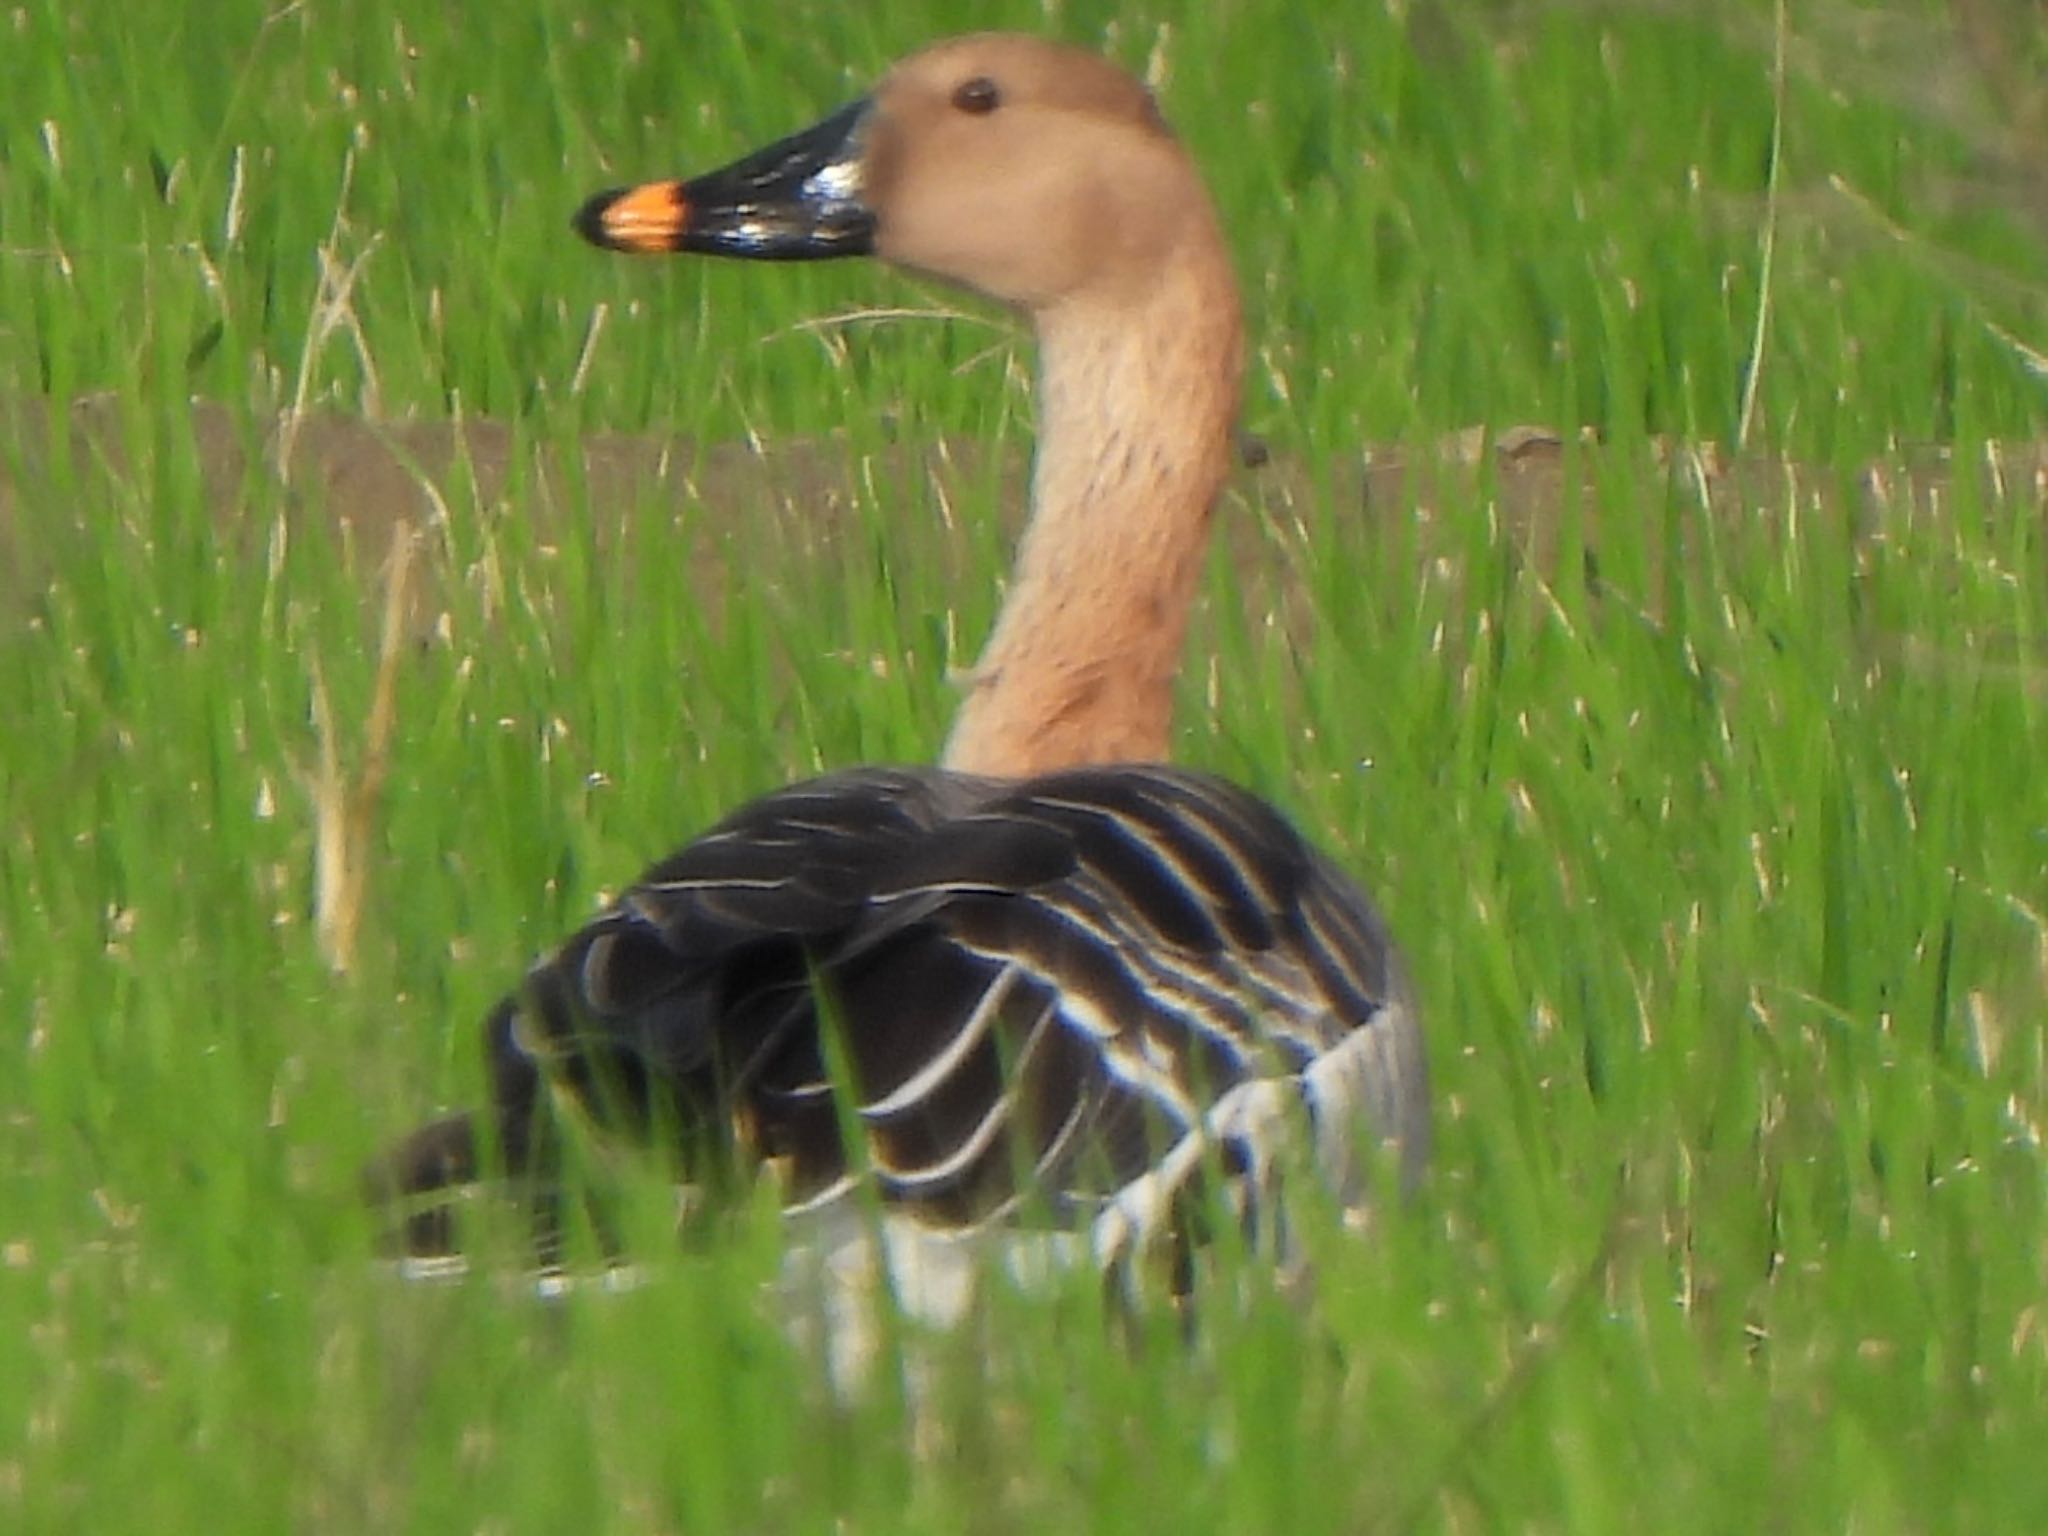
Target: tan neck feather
(1136, 406)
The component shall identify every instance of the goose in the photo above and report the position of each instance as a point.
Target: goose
(1054, 986)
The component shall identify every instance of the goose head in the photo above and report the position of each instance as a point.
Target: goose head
(1043, 177)
(1037, 174)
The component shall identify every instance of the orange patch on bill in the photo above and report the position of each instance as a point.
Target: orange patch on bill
(647, 218)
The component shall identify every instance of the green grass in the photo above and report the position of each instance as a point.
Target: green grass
(1723, 871)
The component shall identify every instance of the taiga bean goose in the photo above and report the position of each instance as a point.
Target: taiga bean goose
(1074, 991)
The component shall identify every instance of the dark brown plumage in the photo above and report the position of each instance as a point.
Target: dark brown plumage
(1040, 988)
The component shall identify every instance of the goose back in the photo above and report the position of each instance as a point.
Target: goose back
(1066, 999)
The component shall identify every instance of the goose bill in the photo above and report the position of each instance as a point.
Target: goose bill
(797, 200)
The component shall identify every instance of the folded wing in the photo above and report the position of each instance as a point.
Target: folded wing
(1055, 1000)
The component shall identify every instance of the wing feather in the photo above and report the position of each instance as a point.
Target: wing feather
(1049, 993)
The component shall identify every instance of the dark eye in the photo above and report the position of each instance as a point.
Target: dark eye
(978, 96)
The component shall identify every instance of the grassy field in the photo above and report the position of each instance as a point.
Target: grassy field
(1706, 795)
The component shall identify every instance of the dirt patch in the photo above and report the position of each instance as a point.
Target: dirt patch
(67, 475)
(802, 497)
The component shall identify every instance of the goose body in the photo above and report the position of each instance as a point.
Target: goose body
(1052, 986)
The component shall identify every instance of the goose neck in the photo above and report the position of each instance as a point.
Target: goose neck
(1136, 406)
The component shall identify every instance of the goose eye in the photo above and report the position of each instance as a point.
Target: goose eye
(978, 96)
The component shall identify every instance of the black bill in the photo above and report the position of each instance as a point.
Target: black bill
(797, 200)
